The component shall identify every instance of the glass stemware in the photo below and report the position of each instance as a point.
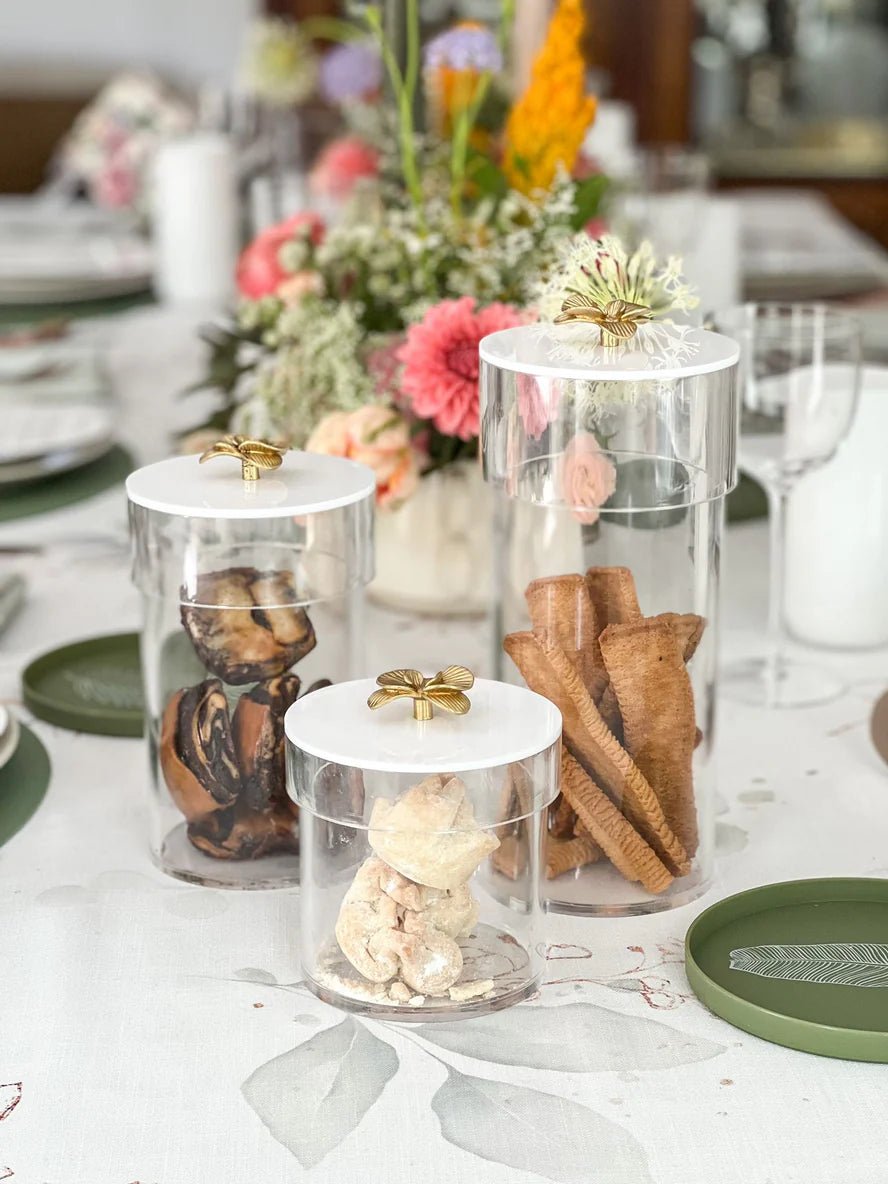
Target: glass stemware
(800, 377)
(664, 200)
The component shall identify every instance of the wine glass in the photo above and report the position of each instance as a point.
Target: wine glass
(664, 200)
(799, 382)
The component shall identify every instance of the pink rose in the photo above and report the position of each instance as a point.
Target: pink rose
(341, 165)
(378, 437)
(116, 187)
(538, 401)
(588, 477)
(259, 271)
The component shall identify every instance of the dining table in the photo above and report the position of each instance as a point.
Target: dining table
(156, 1032)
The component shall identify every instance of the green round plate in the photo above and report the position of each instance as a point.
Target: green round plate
(803, 964)
(23, 783)
(90, 686)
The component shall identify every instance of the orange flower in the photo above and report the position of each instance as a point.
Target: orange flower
(547, 124)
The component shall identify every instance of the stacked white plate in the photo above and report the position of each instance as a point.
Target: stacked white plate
(55, 407)
(51, 253)
(9, 735)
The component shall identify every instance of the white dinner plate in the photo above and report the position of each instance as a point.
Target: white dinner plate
(10, 734)
(58, 254)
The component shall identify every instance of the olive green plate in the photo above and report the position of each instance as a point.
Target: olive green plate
(23, 783)
(802, 963)
(53, 493)
(90, 686)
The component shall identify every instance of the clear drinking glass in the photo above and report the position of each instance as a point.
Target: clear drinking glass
(665, 199)
(799, 380)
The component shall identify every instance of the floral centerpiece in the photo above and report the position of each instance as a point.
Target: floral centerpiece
(109, 149)
(361, 337)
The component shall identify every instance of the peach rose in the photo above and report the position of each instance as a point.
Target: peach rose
(259, 271)
(378, 437)
(298, 286)
(588, 477)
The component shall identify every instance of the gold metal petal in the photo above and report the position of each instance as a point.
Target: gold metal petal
(454, 701)
(622, 329)
(266, 456)
(456, 676)
(401, 678)
(222, 448)
(387, 695)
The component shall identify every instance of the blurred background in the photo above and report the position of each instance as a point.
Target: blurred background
(779, 92)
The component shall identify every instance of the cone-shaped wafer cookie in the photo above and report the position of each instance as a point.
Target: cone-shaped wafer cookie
(561, 614)
(510, 857)
(516, 801)
(561, 818)
(615, 601)
(613, 595)
(566, 855)
(647, 671)
(548, 671)
(688, 629)
(617, 838)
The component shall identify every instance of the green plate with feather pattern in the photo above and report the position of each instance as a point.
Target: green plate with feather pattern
(803, 964)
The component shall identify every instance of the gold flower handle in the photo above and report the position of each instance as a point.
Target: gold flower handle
(254, 455)
(444, 689)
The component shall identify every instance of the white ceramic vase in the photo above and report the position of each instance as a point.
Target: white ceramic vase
(433, 552)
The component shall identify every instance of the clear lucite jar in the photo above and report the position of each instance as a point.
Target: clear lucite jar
(422, 844)
(252, 594)
(611, 467)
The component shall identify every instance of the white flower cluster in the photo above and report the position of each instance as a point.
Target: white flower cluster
(380, 273)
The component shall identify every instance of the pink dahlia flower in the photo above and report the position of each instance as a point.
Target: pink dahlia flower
(440, 357)
(259, 271)
(588, 478)
(341, 165)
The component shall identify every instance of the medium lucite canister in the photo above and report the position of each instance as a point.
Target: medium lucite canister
(611, 465)
(252, 592)
(422, 837)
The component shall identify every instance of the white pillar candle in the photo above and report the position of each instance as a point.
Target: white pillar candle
(837, 535)
(195, 220)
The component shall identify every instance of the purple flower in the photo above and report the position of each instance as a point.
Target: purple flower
(350, 72)
(466, 47)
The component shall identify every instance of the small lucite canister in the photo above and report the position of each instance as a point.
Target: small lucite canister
(422, 841)
(252, 589)
(611, 465)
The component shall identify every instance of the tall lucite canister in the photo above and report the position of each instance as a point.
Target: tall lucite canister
(252, 589)
(409, 813)
(611, 464)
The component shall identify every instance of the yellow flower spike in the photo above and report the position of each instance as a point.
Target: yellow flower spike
(547, 125)
(444, 689)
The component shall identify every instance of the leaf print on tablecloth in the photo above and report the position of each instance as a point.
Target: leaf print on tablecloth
(573, 1038)
(252, 974)
(842, 964)
(313, 1096)
(10, 1096)
(536, 1132)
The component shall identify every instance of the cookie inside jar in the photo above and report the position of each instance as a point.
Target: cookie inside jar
(221, 748)
(401, 915)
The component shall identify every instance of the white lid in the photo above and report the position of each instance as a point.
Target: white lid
(552, 350)
(305, 483)
(506, 723)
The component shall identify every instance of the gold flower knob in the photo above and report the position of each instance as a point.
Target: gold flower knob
(444, 689)
(617, 318)
(253, 454)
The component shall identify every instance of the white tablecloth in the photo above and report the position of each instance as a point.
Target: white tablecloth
(153, 1033)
